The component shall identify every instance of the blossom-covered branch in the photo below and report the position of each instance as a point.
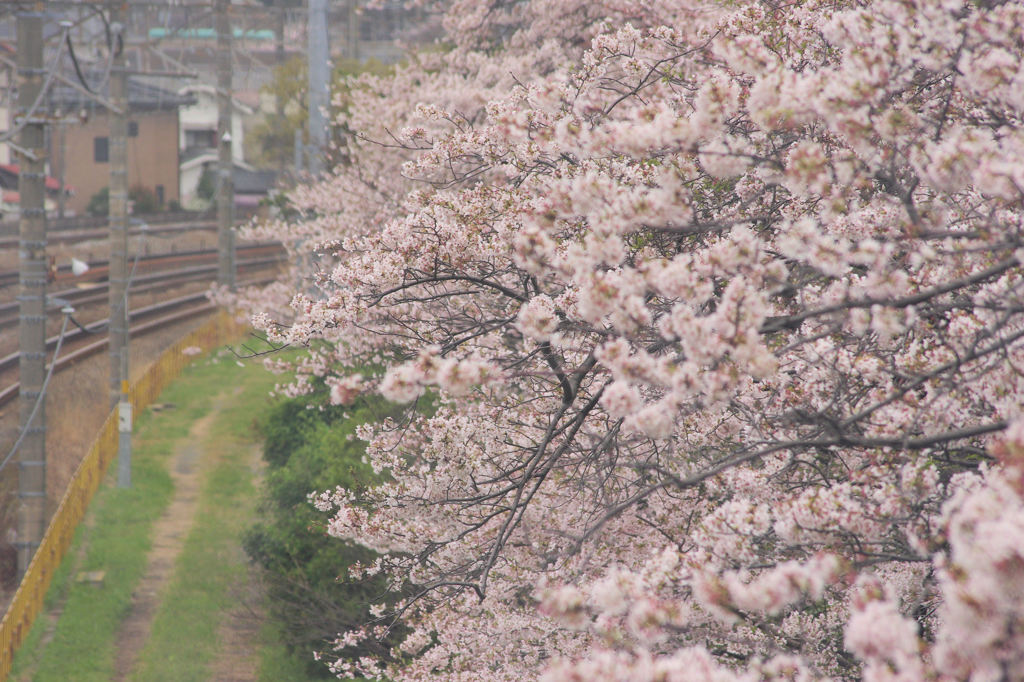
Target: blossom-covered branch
(714, 314)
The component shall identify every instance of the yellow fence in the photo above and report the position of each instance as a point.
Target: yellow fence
(28, 600)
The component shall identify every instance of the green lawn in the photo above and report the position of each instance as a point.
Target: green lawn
(117, 538)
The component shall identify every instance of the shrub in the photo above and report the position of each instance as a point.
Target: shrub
(207, 185)
(99, 203)
(143, 200)
(309, 591)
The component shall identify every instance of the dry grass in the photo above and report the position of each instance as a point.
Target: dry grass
(77, 402)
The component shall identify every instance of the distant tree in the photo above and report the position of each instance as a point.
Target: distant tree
(271, 141)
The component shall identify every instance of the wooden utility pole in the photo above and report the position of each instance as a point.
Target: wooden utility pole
(31, 287)
(225, 166)
(119, 348)
(318, 84)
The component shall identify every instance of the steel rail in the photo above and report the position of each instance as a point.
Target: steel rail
(97, 292)
(98, 269)
(8, 394)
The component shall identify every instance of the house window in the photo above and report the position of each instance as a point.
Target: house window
(200, 139)
(133, 128)
(100, 150)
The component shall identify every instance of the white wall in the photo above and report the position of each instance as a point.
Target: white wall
(203, 116)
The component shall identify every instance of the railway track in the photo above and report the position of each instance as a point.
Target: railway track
(155, 277)
(98, 270)
(97, 293)
(102, 233)
(88, 340)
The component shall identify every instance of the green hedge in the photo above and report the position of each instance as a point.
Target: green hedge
(309, 450)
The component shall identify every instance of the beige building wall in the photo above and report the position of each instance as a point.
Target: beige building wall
(152, 156)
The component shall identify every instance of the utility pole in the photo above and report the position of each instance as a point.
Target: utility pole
(31, 288)
(279, 57)
(318, 84)
(118, 218)
(352, 25)
(62, 148)
(225, 166)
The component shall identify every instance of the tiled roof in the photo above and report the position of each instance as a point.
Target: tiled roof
(253, 181)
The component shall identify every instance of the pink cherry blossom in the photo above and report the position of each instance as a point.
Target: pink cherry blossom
(720, 311)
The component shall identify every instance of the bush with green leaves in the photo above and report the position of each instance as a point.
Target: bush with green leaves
(206, 189)
(99, 203)
(306, 572)
(143, 200)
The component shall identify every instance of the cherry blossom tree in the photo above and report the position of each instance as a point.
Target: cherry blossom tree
(713, 314)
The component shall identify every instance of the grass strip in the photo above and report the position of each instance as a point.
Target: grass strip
(25, 663)
(82, 647)
(211, 569)
(183, 640)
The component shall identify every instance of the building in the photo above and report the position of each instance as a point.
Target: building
(251, 185)
(198, 130)
(7, 94)
(80, 150)
(9, 197)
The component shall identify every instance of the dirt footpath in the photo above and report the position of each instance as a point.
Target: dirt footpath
(169, 534)
(238, 659)
(238, 635)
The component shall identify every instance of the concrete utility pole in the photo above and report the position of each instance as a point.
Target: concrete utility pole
(352, 26)
(62, 169)
(279, 57)
(31, 288)
(225, 166)
(318, 84)
(119, 348)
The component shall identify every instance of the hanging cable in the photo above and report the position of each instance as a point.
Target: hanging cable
(110, 58)
(82, 328)
(128, 284)
(121, 307)
(50, 75)
(67, 310)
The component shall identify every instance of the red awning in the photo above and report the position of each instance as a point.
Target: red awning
(52, 184)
